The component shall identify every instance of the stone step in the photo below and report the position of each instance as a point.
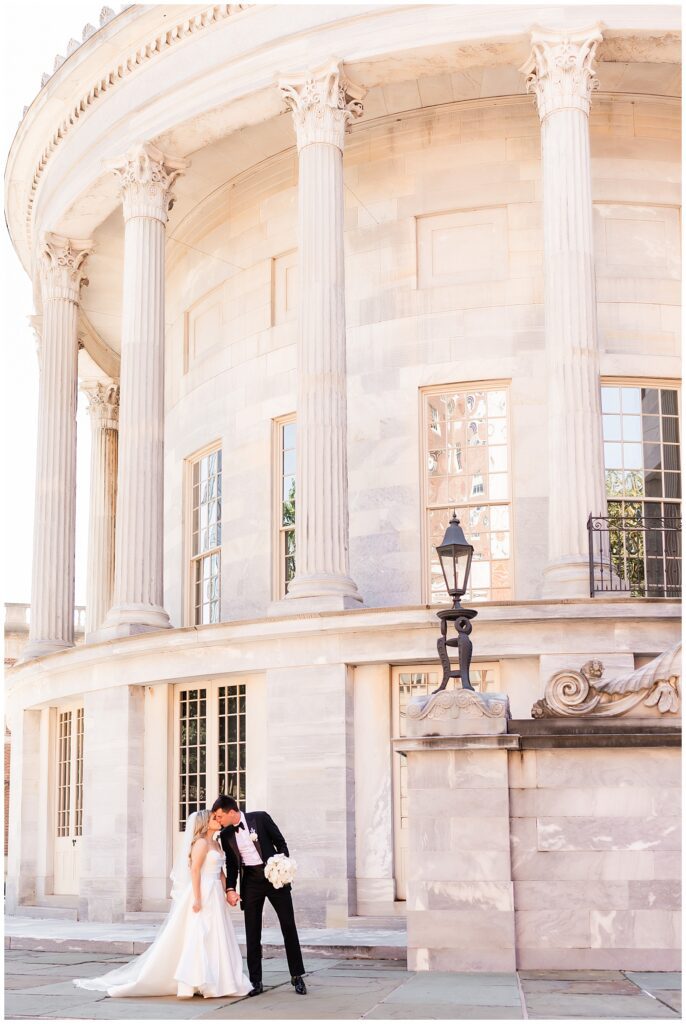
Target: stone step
(385, 922)
(126, 937)
(47, 911)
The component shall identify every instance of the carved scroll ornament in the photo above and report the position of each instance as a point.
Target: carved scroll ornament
(572, 694)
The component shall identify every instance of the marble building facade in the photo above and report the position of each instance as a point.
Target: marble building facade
(322, 276)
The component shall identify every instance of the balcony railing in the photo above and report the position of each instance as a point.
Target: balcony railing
(635, 554)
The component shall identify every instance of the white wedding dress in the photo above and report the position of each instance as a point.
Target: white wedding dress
(194, 952)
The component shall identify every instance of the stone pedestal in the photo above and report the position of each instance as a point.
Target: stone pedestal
(311, 789)
(460, 904)
(113, 818)
(27, 794)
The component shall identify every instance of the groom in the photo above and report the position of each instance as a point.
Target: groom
(249, 840)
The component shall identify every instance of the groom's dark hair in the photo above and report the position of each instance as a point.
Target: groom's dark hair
(224, 803)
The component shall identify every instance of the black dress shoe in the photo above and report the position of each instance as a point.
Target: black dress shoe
(257, 989)
(299, 985)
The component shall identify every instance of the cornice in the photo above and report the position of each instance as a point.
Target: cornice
(158, 45)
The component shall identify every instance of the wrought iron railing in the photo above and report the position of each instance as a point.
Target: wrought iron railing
(635, 554)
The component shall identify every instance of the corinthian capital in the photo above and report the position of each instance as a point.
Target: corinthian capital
(324, 104)
(61, 266)
(147, 179)
(560, 69)
(103, 402)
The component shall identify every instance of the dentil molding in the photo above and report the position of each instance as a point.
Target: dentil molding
(156, 46)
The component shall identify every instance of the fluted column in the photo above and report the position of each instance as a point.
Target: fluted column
(61, 271)
(560, 74)
(147, 179)
(323, 103)
(103, 409)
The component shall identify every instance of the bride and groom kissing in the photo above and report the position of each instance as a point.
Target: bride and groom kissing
(196, 951)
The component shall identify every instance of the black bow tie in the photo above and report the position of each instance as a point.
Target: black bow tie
(236, 827)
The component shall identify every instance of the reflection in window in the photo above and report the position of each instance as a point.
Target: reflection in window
(206, 537)
(192, 753)
(467, 459)
(231, 751)
(642, 479)
(287, 434)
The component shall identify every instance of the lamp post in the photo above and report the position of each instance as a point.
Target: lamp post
(455, 556)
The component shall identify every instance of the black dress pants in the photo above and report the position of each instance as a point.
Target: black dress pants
(255, 889)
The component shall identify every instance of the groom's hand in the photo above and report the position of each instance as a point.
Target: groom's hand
(231, 897)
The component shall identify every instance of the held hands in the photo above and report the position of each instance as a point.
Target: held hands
(231, 897)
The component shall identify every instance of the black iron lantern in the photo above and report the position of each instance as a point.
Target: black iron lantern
(455, 556)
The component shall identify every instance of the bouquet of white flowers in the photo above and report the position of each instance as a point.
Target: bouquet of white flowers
(280, 870)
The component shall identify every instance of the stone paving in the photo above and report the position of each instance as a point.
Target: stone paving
(39, 986)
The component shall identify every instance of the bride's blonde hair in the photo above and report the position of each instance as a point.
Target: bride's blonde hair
(202, 820)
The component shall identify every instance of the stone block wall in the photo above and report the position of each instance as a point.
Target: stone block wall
(595, 839)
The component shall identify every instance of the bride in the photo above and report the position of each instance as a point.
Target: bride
(196, 949)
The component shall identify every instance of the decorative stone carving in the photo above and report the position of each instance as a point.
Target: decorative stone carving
(560, 70)
(324, 104)
(572, 694)
(103, 402)
(172, 35)
(458, 712)
(61, 267)
(147, 179)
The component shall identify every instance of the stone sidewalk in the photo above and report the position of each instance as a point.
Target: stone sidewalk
(39, 986)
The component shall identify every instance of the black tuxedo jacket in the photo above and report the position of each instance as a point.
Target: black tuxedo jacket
(270, 839)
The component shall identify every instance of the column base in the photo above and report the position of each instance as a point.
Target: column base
(319, 603)
(131, 620)
(570, 577)
(318, 592)
(39, 648)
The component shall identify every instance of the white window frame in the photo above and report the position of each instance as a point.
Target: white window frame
(211, 688)
(190, 559)
(503, 384)
(279, 531)
(659, 383)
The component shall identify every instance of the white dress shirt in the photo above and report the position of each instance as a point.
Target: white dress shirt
(246, 847)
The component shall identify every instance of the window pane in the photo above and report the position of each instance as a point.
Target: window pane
(206, 537)
(287, 489)
(631, 400)
(466, 459)
(610, 399)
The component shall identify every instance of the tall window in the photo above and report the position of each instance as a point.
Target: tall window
(466, 459)
(642, 478)
(231, 749)
(285, 508)
(211, 745)
(192, 752)
(64, 774)
(78, 824)
(206, 537)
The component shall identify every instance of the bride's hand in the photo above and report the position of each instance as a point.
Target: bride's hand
(196, 906)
